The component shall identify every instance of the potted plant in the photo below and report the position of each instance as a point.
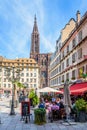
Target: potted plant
(62, 81)
(40, 116)
(34, 98)
(67, 79)
(81, 106)
(73, 78)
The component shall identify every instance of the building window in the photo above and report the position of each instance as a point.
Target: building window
(22, 74)
(81, 71)
(4, 73)
(59, 80)
(80, 36)
(62, 66)
(34, 74)
(4, 79)
(34, 85)
(67, 62)
(27, 74)
(22, 69)
(67, 76)
(73, 43)
(27, 68)
(35, 80)
(44, 74)
(35, 69)
(42, 62)
(73, 74)
(74, 58)
(22, 64)
(31, 74)
(62, 78)
(31, 80)
(59, 58)
(9, 85)
(0, 69)
(63, 54)
(67, 48)
(27, 80)
(4, 85)
(80, 53)
(22, 80)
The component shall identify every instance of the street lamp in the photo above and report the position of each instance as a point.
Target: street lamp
(15, 77)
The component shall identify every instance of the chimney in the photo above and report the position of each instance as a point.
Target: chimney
(78, 17)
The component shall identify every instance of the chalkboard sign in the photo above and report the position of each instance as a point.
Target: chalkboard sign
(25, 108)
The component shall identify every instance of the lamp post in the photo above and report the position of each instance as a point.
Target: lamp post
(13, 79)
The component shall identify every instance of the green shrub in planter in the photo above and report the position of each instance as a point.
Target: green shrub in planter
(81, 105)
(40, 116)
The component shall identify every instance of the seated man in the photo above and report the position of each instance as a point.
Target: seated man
(41, 105)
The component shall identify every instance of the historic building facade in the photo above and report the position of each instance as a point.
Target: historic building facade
(29, 73)
(43, 59)
(69, 62)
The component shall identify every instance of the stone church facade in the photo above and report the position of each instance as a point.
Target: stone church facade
(43, 59)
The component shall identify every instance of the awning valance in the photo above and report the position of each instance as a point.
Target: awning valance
(78, 88)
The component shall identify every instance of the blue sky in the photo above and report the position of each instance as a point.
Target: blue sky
(17, 19)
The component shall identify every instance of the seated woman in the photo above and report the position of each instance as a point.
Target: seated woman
(54, 106)
(52, 110)
(55, 111)
(46, 104)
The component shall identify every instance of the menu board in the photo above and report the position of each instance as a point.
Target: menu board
(25, 108)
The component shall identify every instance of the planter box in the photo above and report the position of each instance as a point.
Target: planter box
(81, 117)
(40, 116)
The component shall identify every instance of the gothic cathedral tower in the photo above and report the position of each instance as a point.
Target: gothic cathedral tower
(42, 59)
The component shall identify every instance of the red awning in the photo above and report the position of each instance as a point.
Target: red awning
(78, 88)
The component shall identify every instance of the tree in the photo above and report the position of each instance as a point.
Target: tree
(19, 85)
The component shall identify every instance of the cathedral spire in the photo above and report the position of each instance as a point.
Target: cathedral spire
(34, 39)
(35, 28)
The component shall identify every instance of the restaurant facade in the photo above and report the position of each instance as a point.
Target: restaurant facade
(69, 61)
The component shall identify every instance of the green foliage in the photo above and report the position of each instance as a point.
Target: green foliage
(84, 75)
(18, 84)
(34, 97)
(81, 104)
(40, 116)
(48, 97)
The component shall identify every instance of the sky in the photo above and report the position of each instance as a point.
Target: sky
(17, 20)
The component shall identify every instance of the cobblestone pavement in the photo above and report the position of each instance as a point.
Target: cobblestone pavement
(14, 122)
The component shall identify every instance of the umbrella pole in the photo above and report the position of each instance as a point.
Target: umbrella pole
(67, 109)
